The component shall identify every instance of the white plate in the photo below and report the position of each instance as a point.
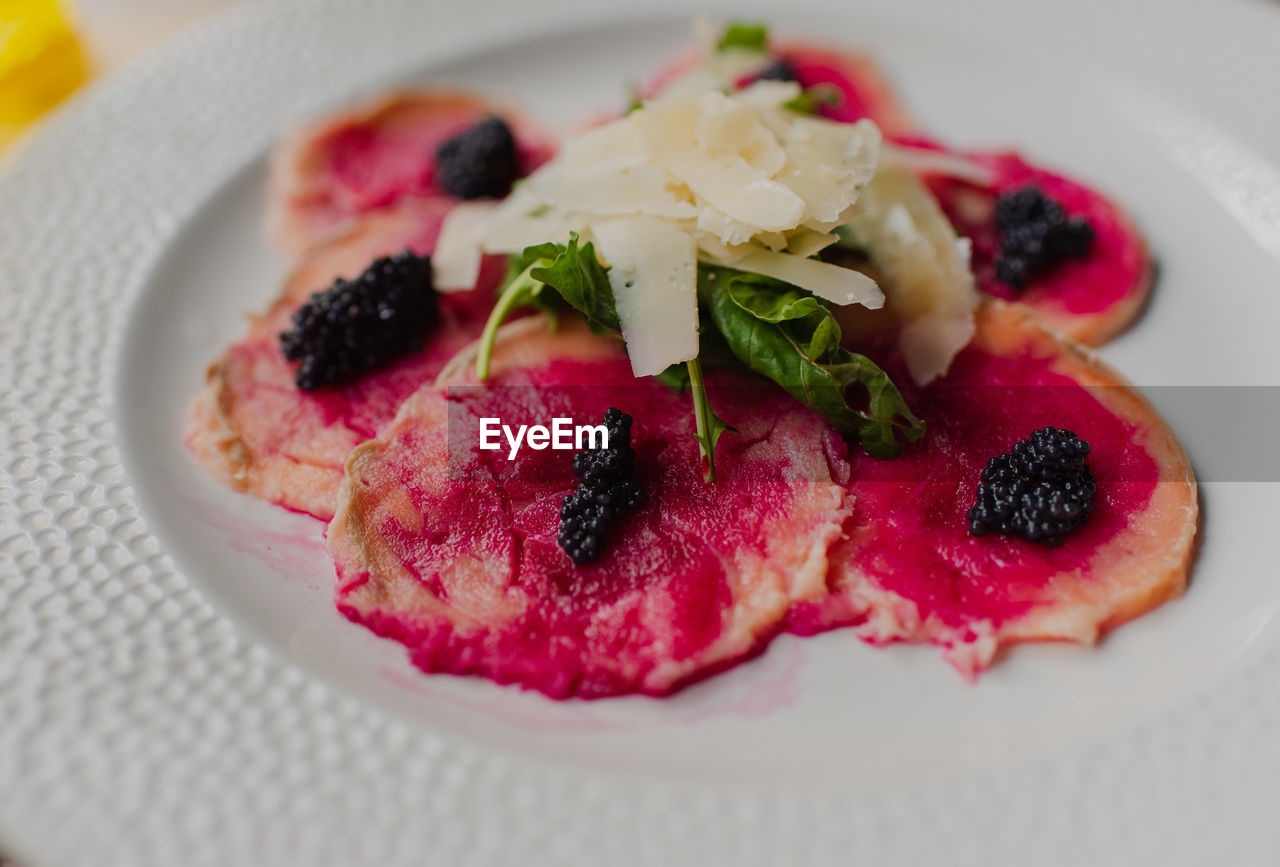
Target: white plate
(175, 687)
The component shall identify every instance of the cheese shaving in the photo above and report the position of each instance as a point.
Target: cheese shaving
(459, 248)
(925, 267)
(736, 179)
(653, 272)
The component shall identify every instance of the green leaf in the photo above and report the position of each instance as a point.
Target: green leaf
(770, 300)
(549, 276)
(748, 35)
(814, 98)
(519, 290)
(577, 275)
(710, 427)
(787, 335)
(520, 262)
(675, 377)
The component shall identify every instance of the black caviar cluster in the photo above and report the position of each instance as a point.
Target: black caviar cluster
(1035, 235)
(1042, 489)
(357, 325)
(479, 162)
(605, 491)
(780, 70)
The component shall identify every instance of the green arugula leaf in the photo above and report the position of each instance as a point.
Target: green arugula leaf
(709, 425)
(574, 277)
(814, 98)
(577, 275)
(774, 329)
(520, 290)
(787, 335)
(675, 377)
(769, 300)
(749, 35)
(524, 260)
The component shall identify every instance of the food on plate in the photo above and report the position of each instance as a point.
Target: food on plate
(784, 364)
(1095, 274)
(841, 85)
(454, 551)
(1091, 297)
(607, 491)
(911, 569)
(260, 431)
(380, 154)
(359, 325)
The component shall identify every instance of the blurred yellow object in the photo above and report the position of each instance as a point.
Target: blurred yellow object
(41, 61)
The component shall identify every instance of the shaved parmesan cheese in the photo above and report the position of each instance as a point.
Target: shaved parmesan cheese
(768, 95)
(523, 220)
(929, 342)
(735, 179)
(925, 267)
(827, 166)
(726, 230)
(776, 241)
(738, 172)
(730, 126)
(712, 250)
(696, 80)
(725, 179)
(936, 162)
(653, 274)
(455, 264)
(513, 235)
(638, 189)
(807, 242)
(835, 284)
(613, 144)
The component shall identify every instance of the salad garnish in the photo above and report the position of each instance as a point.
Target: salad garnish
(698, 220)
(748, 35)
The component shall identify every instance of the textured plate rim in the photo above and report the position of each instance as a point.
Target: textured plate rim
(139, 734)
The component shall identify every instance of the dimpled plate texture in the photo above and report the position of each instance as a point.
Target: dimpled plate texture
(139, 726)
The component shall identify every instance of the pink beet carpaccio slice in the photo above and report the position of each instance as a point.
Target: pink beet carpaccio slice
(452, 551)
(908, 569)
(863, 90)
(1091, 299)
(257, 432)
(375, 156)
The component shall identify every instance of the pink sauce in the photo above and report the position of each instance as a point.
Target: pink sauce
(909, 522)
(660, 593)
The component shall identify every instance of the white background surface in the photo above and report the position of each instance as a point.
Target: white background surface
(147, 727)
(119, 30)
